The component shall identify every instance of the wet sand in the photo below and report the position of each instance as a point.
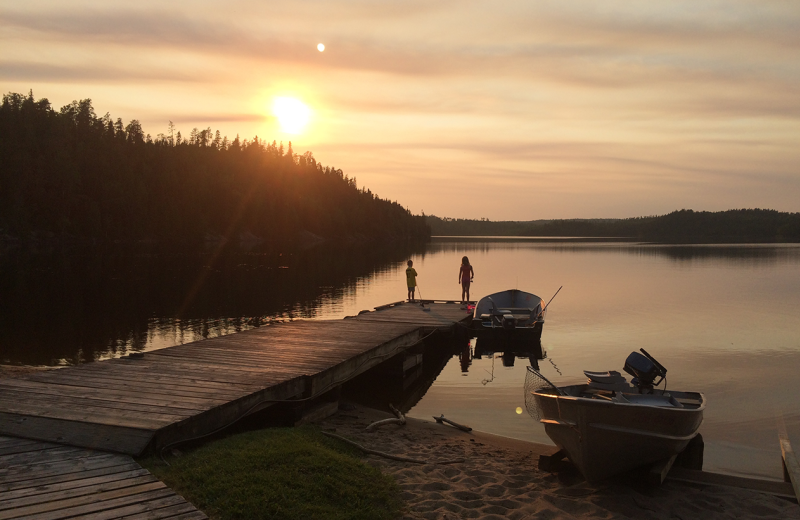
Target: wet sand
(499, 479)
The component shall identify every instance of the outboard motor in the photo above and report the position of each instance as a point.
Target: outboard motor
(644, 369)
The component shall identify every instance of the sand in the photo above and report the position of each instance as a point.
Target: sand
(499, 479)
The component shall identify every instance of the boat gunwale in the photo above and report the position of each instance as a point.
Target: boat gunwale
(646, 433)
(541, 319)
(603, 402)
(487, 325)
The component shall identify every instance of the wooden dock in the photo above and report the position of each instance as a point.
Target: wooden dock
(131, 405)
(49, 481)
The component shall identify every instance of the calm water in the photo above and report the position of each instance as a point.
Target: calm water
(724, 320)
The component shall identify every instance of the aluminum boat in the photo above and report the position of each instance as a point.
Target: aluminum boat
(512, 313)
(608, 426)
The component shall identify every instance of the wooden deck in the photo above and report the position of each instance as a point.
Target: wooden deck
(48, 481)
(129, 405)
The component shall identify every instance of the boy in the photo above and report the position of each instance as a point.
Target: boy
(411, 279)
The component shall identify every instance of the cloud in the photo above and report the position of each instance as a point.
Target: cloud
(653, 105)
(219, 118)
(556, 45)
(48, 72)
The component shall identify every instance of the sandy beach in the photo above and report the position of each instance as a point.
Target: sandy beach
(499, 479)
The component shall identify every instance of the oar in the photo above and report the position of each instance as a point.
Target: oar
(548, 303)
(442, 420)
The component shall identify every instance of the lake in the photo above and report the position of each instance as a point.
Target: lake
(723, 319)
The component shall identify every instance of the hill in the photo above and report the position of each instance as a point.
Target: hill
(70, 173)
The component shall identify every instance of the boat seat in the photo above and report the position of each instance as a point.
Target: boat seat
(662, 401)
(609, 380)
(611, 376)
(496, 313)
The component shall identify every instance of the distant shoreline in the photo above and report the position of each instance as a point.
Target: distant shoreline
(537, 238)
(605, 240)
(685, 227)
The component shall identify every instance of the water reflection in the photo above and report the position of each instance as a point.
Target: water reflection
(732, 253)
(724, 319)
(403, 381)
(508, 349)
(66, 306)
(503, 348)
(71, 306)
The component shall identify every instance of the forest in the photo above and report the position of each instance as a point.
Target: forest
(684, 226)
(71, 174)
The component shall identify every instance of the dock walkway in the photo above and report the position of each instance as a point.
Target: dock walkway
(62, 424)
(45, 481)
(130, 405)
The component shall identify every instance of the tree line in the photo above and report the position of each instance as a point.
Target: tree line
(684, 226)
(72, 173)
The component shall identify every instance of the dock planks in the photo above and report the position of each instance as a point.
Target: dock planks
(48, 481)
(428, 314)
(129, 405)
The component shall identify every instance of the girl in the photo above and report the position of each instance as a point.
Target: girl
(465, 276)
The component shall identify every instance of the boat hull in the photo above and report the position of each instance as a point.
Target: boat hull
(511, 313)
(604, 438)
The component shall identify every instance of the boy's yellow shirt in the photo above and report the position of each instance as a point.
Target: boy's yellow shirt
(411, 277)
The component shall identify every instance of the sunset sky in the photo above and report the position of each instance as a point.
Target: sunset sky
(512, 110)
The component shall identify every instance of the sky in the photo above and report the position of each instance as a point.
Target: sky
(514, 110)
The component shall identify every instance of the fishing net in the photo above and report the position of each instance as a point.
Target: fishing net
(534, 381)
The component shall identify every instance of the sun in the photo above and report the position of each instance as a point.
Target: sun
(292, 114)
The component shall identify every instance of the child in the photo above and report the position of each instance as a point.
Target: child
(411, 278)
(465, 276)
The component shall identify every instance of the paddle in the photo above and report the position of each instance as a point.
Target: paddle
(548, 303)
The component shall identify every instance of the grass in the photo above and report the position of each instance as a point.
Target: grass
(280, 473)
